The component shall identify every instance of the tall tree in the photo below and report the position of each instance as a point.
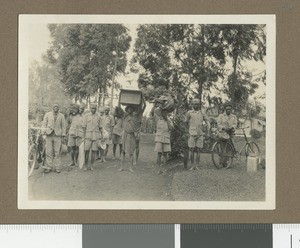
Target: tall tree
(243, 43)
(86, 56)
(184, 59)
(45, 88)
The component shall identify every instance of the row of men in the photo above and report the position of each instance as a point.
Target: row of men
(123, 129)
(95, 130)
(226, 124)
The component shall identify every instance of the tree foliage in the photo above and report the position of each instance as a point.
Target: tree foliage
(181, 59)
(187, 60)
(44, 89)
(243, 43)
(203, 61)
(86, 54)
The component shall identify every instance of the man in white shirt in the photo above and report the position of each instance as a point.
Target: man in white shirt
(227, 122)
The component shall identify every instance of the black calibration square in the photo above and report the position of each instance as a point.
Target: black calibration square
(226, 236)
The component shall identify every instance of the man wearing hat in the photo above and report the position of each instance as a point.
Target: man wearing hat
(195, 120)
(81, 109)
(227, 122)
(92, 133)
(55, 125)
(75, 133)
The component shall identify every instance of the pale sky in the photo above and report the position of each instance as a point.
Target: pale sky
(40, 42)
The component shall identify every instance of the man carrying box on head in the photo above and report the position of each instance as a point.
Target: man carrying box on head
(131, 126)
(195, 119)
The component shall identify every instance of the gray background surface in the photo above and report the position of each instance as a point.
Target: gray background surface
(128, 236)
(287, 104)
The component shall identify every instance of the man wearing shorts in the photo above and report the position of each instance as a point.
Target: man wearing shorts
(162, 137)
(75, 133)
(195, 120)
(92, 134)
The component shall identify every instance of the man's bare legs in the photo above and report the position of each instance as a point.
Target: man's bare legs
(131, 163)
(137, 152)
(197, 159)
(72, 156)
(105, 154)
(115, 150)
(76, 154)
(123, 161)
(192, 158)
(93, 156)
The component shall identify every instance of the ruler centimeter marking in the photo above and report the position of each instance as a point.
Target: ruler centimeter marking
(156, 235)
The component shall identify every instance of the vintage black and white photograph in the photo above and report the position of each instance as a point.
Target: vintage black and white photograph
(146, 112)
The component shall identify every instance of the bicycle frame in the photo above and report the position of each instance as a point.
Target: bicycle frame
(218, 152)
(34, 142)
(244, 146)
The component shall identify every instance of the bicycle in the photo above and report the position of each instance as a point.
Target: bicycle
(223, 151)
(36, 151)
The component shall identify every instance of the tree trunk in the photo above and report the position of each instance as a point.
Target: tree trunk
(200, 89)
(103, 97)
(113, 77)
(87, 102)
(99, 97)
(234, 79)
(202, 62)
(235, 58)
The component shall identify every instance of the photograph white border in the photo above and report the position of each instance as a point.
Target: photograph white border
(23, 65)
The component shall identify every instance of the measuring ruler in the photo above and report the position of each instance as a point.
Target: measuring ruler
(151, 236)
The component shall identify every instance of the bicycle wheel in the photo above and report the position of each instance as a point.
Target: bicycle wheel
(222, 155)
(31, 160)
(252, 147)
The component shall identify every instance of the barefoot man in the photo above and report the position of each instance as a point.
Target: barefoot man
(195, 120)
(75, 133)
(92, 134)
(131, 132)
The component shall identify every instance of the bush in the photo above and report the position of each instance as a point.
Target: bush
(255, 134)
(179, 136)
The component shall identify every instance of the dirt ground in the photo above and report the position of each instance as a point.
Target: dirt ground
(106, 183)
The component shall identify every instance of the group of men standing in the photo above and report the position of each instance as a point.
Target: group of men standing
(198, 128)
(96, 130)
